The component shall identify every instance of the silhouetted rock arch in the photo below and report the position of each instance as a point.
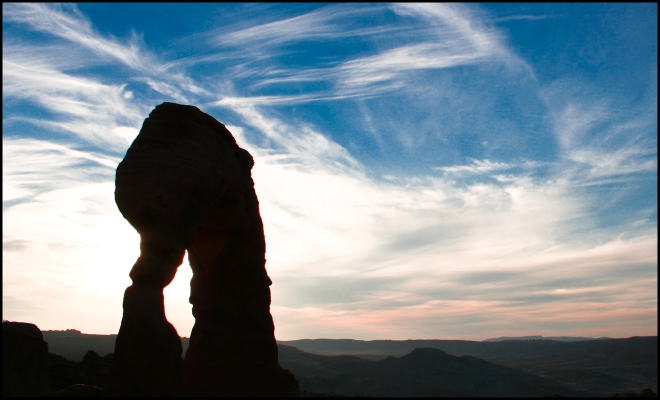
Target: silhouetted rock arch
(186, 185)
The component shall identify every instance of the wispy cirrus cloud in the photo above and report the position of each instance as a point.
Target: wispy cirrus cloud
(310, 26)
(482, 242)
(325, 23)
(456, 39)
(550, 293)
(442, 230)
(517, 222)
(48, 56)
(33, 167)
(66, 22)
(443, 36)
(100, 113)
(593, 135)
(302, 143)
(482, 166)
(94, 112)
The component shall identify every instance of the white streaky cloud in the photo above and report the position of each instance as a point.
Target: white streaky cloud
(484, 246)
(624, 161)
(621, 149)
(326, 23)
(592, 256)
(31, 167)
(459, 39)
(306, 26)
(92, 110)
(323, 224)
(235, 102)
(575, 121)
(459, 21)
(188, 84)
(68, 23)
(596, 142)
(302, 142)
(473, 315)
(478, 166)
(333, 74)
(65, 21)
(341, 218)
(457, 42)
(452, 37)
(48, 56)
(178, 89)
(166, 89)
(440, 305)
(386, 66)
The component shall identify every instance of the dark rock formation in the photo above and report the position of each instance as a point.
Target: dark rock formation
(62, 373)
(148, 349)
(94, 371)
(79, 390)
(24, 361)
(186, 185)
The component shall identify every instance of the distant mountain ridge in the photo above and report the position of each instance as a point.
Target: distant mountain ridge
(597, 366)
(424, 372)
(556, 338)
(585, 367)
(73, 345)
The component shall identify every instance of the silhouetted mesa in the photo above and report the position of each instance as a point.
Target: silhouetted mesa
(186, 185)
(24, 361)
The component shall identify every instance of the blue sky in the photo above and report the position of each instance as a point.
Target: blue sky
(424, 171)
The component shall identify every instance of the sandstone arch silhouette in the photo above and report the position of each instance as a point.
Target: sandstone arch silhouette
(185, 185)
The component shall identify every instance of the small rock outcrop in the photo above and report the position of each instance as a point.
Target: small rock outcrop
(93, 371)
(62, 373)
(24, 361)
(185, 185)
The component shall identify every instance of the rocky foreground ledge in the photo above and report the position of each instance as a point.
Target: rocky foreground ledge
(29, 370)
(26, 363)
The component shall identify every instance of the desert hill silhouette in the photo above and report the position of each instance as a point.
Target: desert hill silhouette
(587, 367)
(424, 372)
(603, 365)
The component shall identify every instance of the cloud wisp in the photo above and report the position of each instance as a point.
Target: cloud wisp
(438, 36)
(418, 234)
(92, 111)
(486, 244)
(67, 22)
